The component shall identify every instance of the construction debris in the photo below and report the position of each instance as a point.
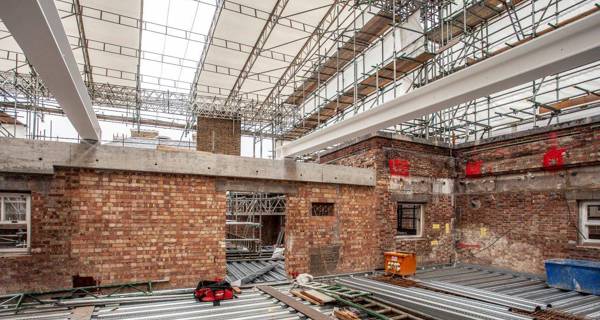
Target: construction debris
(402, 282)
(347, 314)
(318, 296)
(239, 269)
(294, 304)
(300, 294)
(247, 279)
(304, 278)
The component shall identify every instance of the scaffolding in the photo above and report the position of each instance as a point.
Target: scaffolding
(466, 35)
(351, 57)
(244, 219)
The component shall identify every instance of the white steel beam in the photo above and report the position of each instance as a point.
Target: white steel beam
(37, 28)
(566, 48)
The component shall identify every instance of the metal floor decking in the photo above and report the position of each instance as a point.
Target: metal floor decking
(521, 285)
(252, 304)
(238, 269)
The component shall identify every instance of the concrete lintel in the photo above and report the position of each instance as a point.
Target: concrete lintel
(421, 185)
(224, 184)
(572, 181)
(40, 157)
(583, 195)
(415, 198)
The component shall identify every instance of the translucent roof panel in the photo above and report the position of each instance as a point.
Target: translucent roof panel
(238, 30)
(173, 52)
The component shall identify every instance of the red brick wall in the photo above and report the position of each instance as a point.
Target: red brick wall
(219, 135)
(427, 165)
(518, 210)
(521, 201)
(129, 226)
(119, 227)
(349, 232)
(49, 265)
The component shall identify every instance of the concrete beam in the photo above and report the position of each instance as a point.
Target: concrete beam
(576, 182)
(229, 184)
(41, 157)
(566, 48)
(38, 29)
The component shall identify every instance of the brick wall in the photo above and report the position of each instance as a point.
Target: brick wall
(426, 178)
(219, 135)
(118, 227)
(521, 207)
(121, 226)
(501, 200)
(331, 244)
(126, 226)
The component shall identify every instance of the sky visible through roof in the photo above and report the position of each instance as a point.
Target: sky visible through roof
(191, 15)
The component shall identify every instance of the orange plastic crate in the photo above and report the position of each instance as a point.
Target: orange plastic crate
(400, 263)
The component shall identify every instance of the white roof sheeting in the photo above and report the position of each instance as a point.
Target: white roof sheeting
(284, 43)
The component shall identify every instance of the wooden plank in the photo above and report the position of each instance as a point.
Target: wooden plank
(294, 304)
(82, 313)
(572, 102)
(301, 295)
(369, 33)
(345, 315)
(318, 296)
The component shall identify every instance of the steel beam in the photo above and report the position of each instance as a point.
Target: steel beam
(65, 7)
(262, 39)
(566, 48)
(38, 29)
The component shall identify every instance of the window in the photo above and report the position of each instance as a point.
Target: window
(410, 218)
(590, 221)
(14, 222)
(322, 209)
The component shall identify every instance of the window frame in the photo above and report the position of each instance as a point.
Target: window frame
(419, 226)
(27, 221)
(584, 223)
(319, 203)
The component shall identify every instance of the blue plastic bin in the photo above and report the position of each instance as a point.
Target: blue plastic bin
(578, 275)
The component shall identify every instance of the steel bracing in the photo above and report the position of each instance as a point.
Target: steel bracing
(313, 65)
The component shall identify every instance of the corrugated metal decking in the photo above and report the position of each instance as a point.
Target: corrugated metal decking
(251, 304)
(242, 268)
(519, 285)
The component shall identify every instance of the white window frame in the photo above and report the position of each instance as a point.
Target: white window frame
(420, 226)
(27, 221)
(584, 223)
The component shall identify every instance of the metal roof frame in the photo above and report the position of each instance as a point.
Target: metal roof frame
(250, 72)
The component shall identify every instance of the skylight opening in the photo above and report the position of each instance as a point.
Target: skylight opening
(178, 55)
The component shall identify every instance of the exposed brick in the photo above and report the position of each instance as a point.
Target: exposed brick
(218, 135)
(435, 246)
(119, 227)
(351, 229)
(519, 204)
(129, 226)
(533, 220)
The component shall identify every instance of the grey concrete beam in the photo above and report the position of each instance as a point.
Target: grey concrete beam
(41, 157)
(38, 29)
(228, 184)
(572, 181)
